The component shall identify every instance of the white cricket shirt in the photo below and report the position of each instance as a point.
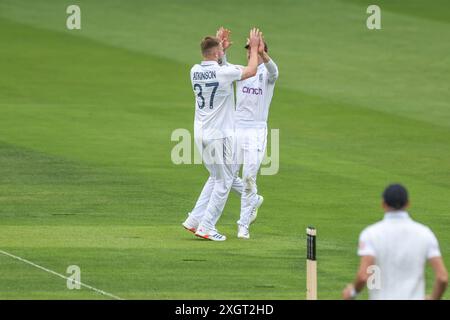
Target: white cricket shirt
(253, 96)
(401, 248)
(214, 100)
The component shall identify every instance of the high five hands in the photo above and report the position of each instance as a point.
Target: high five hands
(224, 36)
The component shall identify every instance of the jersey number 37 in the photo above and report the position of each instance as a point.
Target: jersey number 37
(201, 99)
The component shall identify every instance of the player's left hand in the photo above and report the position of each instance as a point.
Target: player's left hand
(348, 292)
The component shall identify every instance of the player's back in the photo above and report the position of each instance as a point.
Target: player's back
(214, 104)
(401, 247)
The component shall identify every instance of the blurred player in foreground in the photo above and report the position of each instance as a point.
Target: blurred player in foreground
(399, 248)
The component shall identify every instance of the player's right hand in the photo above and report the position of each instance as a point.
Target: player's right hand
(226, 42)
(223, 35)
(261, 44)
(254, 38)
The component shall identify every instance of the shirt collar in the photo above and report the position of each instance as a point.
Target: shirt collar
(396, 215)
(209, 63)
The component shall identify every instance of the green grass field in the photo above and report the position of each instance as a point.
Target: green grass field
(85, 123)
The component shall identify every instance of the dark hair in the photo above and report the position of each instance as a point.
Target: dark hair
(395, 196)
(208, 43)
(266, 49)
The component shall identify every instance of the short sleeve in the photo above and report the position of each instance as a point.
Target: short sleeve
(231, 73)
(433, 250)
(365, 246)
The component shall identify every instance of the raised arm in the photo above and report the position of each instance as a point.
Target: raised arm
(251, 69)
(224, 36)
(271, 67)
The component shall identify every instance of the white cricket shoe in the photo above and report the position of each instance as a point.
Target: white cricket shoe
(254, 213)
(210, 235)
(190, 224)
(243, 232)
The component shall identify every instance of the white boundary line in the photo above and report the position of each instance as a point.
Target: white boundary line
(60, 275)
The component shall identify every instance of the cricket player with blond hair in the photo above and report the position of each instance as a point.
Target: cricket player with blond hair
(212, 85)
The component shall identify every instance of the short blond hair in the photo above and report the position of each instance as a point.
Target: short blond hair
(208, 43)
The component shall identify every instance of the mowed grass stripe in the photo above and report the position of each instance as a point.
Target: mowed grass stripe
(85, 119)
(73, 281)
(401, 69)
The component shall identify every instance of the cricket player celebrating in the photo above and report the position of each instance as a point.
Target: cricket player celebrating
(214, 128)
(253, 98)
(399, 248)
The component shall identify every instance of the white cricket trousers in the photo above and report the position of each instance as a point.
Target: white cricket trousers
(218, 158)
(202, 201)
(251, 147)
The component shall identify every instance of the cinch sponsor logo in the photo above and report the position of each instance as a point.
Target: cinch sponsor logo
(248, 90)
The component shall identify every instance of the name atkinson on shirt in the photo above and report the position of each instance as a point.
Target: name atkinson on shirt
(204, 75)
